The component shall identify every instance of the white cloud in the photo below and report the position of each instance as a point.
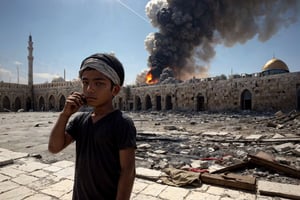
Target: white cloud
(18, 63)
(9, 76)
(5, 75)
(44, 77)
(5, 72)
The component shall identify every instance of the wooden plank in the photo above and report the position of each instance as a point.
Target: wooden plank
(230, 180)
(232, 168)
(275, 166)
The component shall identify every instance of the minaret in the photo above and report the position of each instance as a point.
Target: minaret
(30, 62)
(30, 71)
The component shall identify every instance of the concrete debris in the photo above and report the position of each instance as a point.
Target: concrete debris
(297, 150)
(229, 138)
(201, 142)
(284, 147)
(278, 189)
(259, 160)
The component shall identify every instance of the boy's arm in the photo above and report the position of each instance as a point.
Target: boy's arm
(59, 139)
(127, 160)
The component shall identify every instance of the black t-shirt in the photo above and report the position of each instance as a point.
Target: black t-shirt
(98, 144)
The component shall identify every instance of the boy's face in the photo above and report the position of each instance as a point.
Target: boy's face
(97, 88)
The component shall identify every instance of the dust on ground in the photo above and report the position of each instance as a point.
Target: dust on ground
(177, 139)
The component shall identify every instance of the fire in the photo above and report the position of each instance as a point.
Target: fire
(149, 79)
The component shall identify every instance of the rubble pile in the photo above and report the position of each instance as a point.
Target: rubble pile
(208, 142)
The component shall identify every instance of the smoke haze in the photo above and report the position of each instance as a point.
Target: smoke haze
(190, 29)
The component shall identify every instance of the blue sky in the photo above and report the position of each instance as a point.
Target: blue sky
(66, 31)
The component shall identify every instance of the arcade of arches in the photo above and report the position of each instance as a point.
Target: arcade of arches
(16, 105)
(156, 103)
(273, 88)
(274, 92)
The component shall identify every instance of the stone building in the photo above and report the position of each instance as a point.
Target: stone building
(273, 89)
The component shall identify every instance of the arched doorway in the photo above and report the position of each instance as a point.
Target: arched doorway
(158, 103)
(52, 103)
(148, 102)
(138, 103)
(62, 102)
(200, 103)
(41, 104)
(28, 104)
(6, 103)
(169, 105)
(246, 100)
(17, 104)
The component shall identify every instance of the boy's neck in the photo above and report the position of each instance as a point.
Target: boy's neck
(99, 113)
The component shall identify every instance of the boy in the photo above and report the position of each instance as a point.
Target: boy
(105, 139)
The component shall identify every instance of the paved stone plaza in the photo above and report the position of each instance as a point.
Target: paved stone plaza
(29, 172)
(27, 178)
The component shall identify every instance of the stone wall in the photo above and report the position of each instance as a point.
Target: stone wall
(259, 93)
(52, 96)
(14, 96)
(268, 93)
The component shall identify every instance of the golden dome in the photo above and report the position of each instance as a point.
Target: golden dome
(276, 64)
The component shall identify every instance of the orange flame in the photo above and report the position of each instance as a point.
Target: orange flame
(149, 79)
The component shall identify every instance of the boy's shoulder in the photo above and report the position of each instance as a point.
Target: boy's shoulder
(80, 115)
(123, 116)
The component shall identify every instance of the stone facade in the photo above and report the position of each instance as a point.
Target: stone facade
(265, 93)
(252, 92)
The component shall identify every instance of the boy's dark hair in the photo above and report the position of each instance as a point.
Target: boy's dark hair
(111, 61)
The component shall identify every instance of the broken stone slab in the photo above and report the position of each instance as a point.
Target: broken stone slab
(149, 174)
(284, 147)
(265, 156)
(214, 167)
(297, 150)
(5, 161)
(151, 137)
(254, 137)
(278, 189)
(144, 146)
(170, 127)
(199, 164)
(12, 155)
(279, 114)
(185, 152)
(283, 160)
(159, 151)
(7, 157)
(150, 133)
(211, 133)
(276, 136)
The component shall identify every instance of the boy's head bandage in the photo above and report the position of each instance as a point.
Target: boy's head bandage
(107, 64)
(102, 67)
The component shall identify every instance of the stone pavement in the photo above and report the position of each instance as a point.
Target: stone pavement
(24, 177)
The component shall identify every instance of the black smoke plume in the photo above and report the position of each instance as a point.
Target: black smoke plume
(188, 30)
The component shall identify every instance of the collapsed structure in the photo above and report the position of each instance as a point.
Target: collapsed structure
(273, 89)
